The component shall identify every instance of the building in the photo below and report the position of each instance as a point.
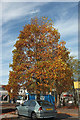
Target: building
(4, 97)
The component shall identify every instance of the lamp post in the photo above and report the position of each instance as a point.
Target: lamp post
(11, 93)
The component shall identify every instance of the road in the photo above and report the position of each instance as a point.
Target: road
(8, 113)
(60, 116)
(25, 118)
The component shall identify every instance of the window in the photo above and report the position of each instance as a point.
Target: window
(1, 88)
(26, 98)
(4, 97)
(32, 103)
(26, 103)
(44, 103)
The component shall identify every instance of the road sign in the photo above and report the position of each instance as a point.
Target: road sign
(77, 84)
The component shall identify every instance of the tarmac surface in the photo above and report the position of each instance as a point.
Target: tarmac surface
(7, 112)
(60, 116)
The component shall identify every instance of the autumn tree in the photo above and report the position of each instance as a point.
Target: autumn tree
(40, 61)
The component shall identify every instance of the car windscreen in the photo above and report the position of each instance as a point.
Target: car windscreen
(44, 103)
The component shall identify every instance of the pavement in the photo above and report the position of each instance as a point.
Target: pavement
(71, 112)
(8, 111)
(8, 115)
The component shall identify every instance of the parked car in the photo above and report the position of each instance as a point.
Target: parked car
(66, 98)
(36, 109)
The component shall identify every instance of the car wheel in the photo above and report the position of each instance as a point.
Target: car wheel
(16, 112)
(33, 116)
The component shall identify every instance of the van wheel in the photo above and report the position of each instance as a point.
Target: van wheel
(33, 116)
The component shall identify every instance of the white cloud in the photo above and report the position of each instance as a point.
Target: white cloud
(7, 55)
(68, 30)
(0, 14)
(34, 11)
(67, 27)
(40, 0)
(4, 80)
(14, 10)
(9, 43)
(4, 71)
(72, 45)
(0, 69)
(72, 42)
(74, 54)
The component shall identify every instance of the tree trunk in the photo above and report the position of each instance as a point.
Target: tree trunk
(58, 100)
(38, 96)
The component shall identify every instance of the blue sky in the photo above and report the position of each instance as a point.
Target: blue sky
(16, 14)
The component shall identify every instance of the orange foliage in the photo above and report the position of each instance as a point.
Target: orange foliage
(39, 60)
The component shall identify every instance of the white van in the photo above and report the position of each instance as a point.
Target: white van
(67, 98)
(21, 99)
